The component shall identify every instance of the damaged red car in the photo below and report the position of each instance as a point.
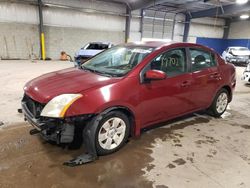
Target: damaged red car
(125, 89)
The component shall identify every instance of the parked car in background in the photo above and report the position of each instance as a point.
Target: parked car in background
(246, 74)
(90, 50)
(237, 55)
(125, 89)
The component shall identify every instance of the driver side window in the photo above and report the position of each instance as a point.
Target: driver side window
(172, 62)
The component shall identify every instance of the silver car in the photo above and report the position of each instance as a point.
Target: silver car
(89, 50)
(246, 74)
(237, 55)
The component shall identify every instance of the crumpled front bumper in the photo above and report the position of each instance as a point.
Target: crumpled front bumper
(51, 129)
(47, 128)
(54, 129)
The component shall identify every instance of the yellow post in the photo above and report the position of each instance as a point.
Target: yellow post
(43, 46)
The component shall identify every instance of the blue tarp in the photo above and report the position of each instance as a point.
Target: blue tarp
(220, 45)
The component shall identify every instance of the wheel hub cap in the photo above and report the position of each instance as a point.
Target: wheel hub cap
(221, 103)
(111, 133)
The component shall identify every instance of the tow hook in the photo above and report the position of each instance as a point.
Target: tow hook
(34, 131)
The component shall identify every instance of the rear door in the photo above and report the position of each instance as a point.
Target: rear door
(163, 99)
(206, 77)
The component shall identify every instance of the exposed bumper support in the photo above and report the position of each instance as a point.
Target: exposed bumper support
(30, 118)
(63, 134)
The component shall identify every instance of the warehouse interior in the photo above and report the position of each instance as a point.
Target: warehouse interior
(196, 150)
(69, 25)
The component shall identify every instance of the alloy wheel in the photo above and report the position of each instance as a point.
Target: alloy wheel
(221, 103)
(112, 133)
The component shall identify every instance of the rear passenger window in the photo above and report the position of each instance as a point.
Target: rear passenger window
(172, 62)
(201, 59)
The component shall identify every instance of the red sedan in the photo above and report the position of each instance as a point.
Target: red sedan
(124, 89)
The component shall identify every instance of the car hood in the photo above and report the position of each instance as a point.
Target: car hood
(48, 86)
(88, 53)
(238, 52)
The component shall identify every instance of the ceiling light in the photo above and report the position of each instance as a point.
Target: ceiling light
(244, 16)
(241, 1)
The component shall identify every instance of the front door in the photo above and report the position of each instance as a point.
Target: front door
(163, 99)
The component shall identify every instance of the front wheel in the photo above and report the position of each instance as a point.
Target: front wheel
(112, 132)
(220, 103)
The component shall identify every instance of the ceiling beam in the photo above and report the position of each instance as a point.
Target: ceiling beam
(224, 10)
(142, 4)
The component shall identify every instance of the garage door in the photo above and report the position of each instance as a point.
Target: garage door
(157, 24)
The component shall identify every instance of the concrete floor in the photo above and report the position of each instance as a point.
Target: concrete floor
(193, 151)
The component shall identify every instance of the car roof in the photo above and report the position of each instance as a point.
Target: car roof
(150, 44)
(160, 44)
(100, 43)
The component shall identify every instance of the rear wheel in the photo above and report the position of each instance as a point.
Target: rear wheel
(112, 132)
(220, 103)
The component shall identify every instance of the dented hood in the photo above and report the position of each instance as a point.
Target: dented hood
(48, 86)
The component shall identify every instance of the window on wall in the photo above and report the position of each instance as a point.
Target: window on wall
(172, 62)
(201, 59)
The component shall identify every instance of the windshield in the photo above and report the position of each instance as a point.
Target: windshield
(117, 61)
(240, 49)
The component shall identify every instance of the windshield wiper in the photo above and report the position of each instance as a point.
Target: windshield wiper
(102, 73)
(96, 71)
(85, 68)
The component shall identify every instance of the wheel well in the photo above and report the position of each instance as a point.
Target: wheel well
(129, 114)
(229, 92)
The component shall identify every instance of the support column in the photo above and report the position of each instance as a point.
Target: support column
(41, 30)
(173, 27)
(186, 28)
(227, 28)
(128, 21)
(141, 22)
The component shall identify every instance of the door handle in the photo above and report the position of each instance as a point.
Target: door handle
(185, 84)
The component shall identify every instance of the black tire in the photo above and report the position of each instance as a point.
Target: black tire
(213, 110)
(109, 116)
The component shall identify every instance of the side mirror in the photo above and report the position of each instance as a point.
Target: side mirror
(155, 75)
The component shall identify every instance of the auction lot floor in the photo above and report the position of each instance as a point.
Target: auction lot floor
(194, 151)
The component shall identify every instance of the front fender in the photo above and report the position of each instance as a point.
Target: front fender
(99, 99)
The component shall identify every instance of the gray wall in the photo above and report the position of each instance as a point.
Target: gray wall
(240, 30)
(19, 41)
(72, 39)
(65, 29)
(206, 27)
